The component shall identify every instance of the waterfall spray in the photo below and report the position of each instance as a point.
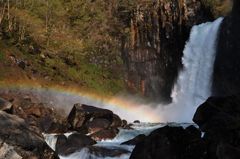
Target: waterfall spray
(193, 86)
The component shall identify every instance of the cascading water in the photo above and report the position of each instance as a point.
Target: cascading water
(192, 88)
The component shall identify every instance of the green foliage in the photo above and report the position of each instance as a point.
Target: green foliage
(219, 7)
(79, 39)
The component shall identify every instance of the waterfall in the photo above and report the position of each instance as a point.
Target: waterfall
(194, 82)
(193, 87)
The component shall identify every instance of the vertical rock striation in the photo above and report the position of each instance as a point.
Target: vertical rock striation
(152, 54)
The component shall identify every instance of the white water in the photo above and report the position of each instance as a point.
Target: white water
(193, 86)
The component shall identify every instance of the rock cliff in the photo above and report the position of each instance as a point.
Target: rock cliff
(226, 73)
(152, 54)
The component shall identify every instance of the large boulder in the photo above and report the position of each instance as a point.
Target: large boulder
(170, 143)
(218, 113)
(74, 142)
(27, 143)
(226, 74)
(219, 118)
(101, 123)
(81, 114)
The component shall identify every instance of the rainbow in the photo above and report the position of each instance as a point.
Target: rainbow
(126, 108)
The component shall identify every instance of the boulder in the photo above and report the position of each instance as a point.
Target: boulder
(81, 114)
(135, 140)
(116, 121)
(74, 142)
(102, 152)
(5, 105)
(219, 118)
(106, 134)
(218, 113)
(225, 151)
(15, 132)
(226, 74)
(98, 124)
(170, 143)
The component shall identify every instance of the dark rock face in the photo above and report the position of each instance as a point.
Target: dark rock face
(226, 75)
(135, 140)
(105, 152)
(159, 30)
(218, 113)
(74, 142)
(225, 151)
(219, 118)
(27, 143)
(105, 134)
(81, 114)
(170, 143)
(102, 124)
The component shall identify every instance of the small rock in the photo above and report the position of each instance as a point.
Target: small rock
(136, 122)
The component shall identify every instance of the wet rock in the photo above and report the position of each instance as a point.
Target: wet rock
(116, 121)
(27, 143)
(106, 134)
(98, 124)
(5, 105)
(124, 123)
(135, 140)
(81, 114)
(105, 152)
(170, 143)
(74, 142)
(218, 113)
(136, 121)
